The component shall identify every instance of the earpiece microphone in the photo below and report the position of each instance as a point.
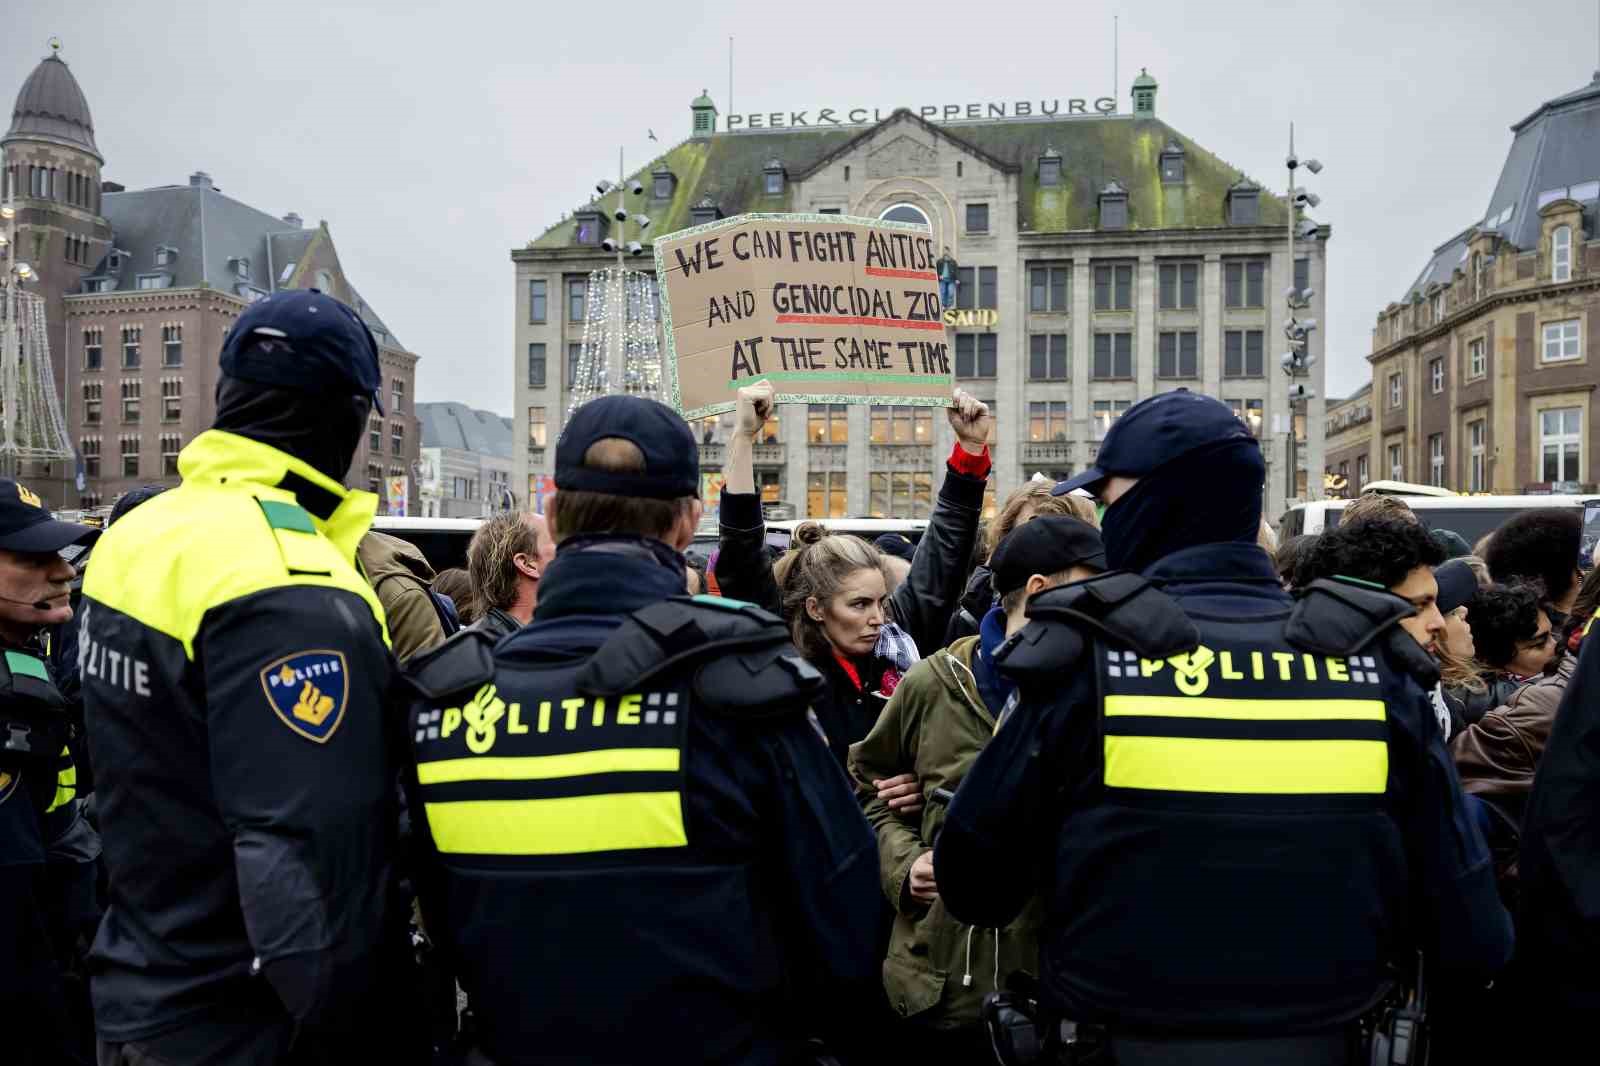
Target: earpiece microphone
(38, 605)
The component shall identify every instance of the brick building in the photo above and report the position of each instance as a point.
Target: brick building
(1484, 372)
(1348, 440)
(142, 286)
(1105, 257)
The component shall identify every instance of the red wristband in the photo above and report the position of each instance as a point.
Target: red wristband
(964, 462)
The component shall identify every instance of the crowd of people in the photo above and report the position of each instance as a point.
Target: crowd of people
(1112, 777)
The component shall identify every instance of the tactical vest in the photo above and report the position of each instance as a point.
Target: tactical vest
(34, 729)
(1233, 828)
(584, 907)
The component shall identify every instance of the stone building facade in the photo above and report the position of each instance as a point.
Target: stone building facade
(1103, 258)
(466, 461)
(1484, 373)
(1348, 440)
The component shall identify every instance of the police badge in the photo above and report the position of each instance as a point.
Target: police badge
(308, 691)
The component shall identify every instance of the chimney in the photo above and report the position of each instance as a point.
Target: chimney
(201, 180)
(293, 219)
(111, 186)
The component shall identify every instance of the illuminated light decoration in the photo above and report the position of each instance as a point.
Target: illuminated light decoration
(621, 340)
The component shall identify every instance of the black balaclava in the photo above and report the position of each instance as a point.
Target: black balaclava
(1212, 495)
(323, 430)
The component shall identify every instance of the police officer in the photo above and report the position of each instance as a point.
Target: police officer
(234, 668)
(640, 849)
(1244, 805)
(47, 849)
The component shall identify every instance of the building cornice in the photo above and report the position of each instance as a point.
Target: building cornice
(1493, 301)
(82, 303)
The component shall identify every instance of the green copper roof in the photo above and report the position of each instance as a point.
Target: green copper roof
(1144, 80)
(702, 100)
(727, 169)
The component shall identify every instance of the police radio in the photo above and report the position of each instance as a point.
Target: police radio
(1400, 1037)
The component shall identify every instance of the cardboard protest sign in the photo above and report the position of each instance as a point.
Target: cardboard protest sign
(830, 309)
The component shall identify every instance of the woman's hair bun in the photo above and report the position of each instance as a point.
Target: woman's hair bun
(807, 533)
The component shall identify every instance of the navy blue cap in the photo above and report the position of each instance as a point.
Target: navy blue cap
(671, 456)
(1458, 585)
(1153, 433)
(322, 345)
(26, 524)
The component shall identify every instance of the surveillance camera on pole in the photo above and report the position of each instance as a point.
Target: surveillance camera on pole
(609, 244)
(1307, 229)
(1299, 392)
(602, 187)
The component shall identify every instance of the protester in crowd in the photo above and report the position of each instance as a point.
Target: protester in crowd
(403, 580)
(1513, 632)
(1025, 503)
(703, 888)
(922, 605)
(1453, 544)
(940, 717)
(47, 849)
(1377, 505)
(1178, 821)
(897, 551)
(236, 680)
(505, 560)
(1541, 545)
(694, 573)
(1290, 558)
(1393, 552)
(1465, 694)
(455, 587)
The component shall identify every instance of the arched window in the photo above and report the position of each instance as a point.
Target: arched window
(325, 282)
(1561, 254)
(906, 213)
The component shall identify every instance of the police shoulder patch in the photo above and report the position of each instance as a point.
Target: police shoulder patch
(8, 783)
(308, 691)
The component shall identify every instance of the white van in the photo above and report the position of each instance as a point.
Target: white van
(442, 541)
(1470, 516)
(781, 534)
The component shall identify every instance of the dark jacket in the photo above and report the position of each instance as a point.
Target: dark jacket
(1167, 835)
(236, 706)
(1498, 755)
(496, 623)
(1471, 705)
(976, 602)
(402, 577)
(925, 600)
(703, 887)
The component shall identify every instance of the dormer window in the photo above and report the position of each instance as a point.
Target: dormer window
(1050, 167)
(1114, 207)
(166, 256)
(591, 226)
(114, 261)
(704, 211)
(1172, 164)
(241, 267)
(663, 183)
(772, 175)
(1244, 204)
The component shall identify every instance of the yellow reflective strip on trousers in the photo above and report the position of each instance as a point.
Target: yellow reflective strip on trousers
(1283, 767)
(544, 767)
(568, 825)
(1246, 710)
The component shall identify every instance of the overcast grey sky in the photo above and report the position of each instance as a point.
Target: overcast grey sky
(434, 137)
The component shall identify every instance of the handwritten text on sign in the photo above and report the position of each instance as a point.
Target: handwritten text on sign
(829, 309)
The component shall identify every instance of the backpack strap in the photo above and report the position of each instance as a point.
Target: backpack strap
(1125, 608)
(1343, 616)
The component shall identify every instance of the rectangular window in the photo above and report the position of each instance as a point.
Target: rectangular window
(375, 434)
(172, 345)
(774, 183)
(89, 448)
(1113, 357)
(1560, 443)
(130, 456)
(988, 287)
(966, 288)
(1561, 254)
(1178, 354)
(91, 402)
(537, 430)
(1436, 375)
(1179, 283)
(397, 438)
(130, 401)
(827, 495)
(1243, 354)
(1302, 274)
(827, 423)
(1477, 438)
(574, 354)
(900, 494)
(1397, 468)
(1048, 421)
(1362, 470)
(577, 290)
(1047, 357)
(1107, 412)
(375, 479)
(172, 400)
(93, 348)
(901, 424)
(1436, 460)
(1048, 288)
(976, 355)
(1561, 341)
(1396, 391)
(131, 337)
(1244, 283)
(1249, 412)
(1113, 287)
(1477, 362)
(171, 445)
(397, 396)
(536, 367)
(977, 218)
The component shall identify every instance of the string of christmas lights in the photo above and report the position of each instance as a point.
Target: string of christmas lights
(621, 342)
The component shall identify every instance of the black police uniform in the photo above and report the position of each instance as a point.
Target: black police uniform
(1239, 809)
(235, 670)
(636, 848)
(47, 849)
